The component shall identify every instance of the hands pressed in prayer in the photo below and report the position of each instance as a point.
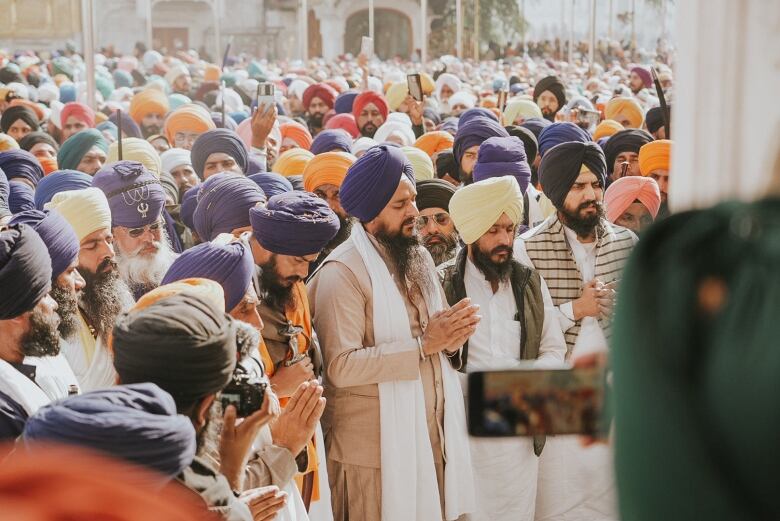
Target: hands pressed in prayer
(264, 502)
(448, 330)
(262, 123)
(295, 426)
(287, 379)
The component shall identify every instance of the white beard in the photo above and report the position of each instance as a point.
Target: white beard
(139, 270)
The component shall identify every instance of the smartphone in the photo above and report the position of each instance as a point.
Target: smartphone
(265, 95)
(415, 86)
(367, 47)
(502, 97)
(530, 402)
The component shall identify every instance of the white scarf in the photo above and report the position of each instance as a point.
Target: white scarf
(409, 487)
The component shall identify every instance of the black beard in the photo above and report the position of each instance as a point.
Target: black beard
(315, 120)
(102, 298)
(549, 116)
(42, 339)
(151, 130)
(493, 272)
(67, 309)
(274, 293)
(405, 252)
(368, 130)
(583, 226)
(444, 250)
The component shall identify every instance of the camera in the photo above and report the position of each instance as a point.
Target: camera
(245, 392)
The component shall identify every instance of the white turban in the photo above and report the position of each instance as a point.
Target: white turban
(462, 98)
(176, 71)
(85, 210)
(362, 144)
(478, 206)
(394, 128)
(174, 158)
(296, 88)
(449, 80)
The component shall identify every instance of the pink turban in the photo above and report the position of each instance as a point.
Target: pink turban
(623, 192)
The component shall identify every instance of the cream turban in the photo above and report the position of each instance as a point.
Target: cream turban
(396, 94)
(137, 149)
(421, 163)
(521, 107)
(86, 210)
(477, 207)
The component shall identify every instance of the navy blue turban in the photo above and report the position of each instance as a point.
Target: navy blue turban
(331, 140)
(12, 418)
(129, 127)
(56, 233)
(76, 147)
(536, 125)
(561, 166)
(344, 101)
(294, 223)
(629, 140)
(137, 423)
(476, 113)
(230, 265)
(254, 166)
(372, 180)
(20, 164)
(134, 194)
(272, 183)
(189, 201)
(4, 191)
(224, 201)
(561, 132)
(474, 132)
(219, 140)
(25, 270)
(20, 197)
(503, 156)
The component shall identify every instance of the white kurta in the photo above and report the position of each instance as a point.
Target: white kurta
(505, 470)
(90, 360)
(21, 389)
(53, 375)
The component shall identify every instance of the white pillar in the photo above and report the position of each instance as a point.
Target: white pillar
(371, 22)
(592, 45)
(571, 32)
(217, 37)
(458, 28)
(303, 30)
(423, 31)
(149, 31)
(476, 29)
(88, 33)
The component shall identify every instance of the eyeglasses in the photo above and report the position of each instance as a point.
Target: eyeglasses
(137, 232)
(441, 218)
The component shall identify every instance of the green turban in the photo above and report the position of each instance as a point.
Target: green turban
(77, 145)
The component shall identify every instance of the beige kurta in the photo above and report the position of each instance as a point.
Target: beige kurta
(342, 308)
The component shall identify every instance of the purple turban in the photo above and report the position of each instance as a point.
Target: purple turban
(20, 164)
(129, 127)
(561, 167)
(219, 140)
(343, 104)
(294, 223)
(476, 113)
(57, 235)
(20, 197)
(502, 156)
(643, 73)
(450, 125)
(25, 270)
(224, 201)
(372, 180)
(4, 191)
(628, 140)
(331, 140)
(230, 265)
(536, 125)
(474, 132)
(60, 181)
(189, 201)
(561, 132)
(134, 194)
(271, 183)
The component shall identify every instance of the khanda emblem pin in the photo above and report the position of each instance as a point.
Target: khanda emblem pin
(143, 209)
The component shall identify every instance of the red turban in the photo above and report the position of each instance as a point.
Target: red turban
(367, 97)
(297, 133)
(320, 90)
(78, 110)
(344, 122)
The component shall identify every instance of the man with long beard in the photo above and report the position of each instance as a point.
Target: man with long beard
(136, 199)
(317, 100)
(104, 296)
(437, 232)
(370, 111)
(380, 315)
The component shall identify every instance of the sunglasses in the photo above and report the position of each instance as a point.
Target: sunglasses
(137, 232)
(441, 218)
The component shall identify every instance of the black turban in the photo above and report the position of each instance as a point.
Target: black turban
(529, 141)
(182, 343)
(434, 193)
(629, 140)
(15, 113)
(33, 138)
(25, 270)
(561, 166)
(554, 85)
(445, 164)
(654, 119)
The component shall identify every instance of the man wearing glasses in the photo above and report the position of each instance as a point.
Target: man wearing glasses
(436, 230)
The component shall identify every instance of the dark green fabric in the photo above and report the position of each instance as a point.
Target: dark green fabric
(696, 415)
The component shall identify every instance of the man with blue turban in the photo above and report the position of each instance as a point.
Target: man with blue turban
(272, 183)
(331, 140)
(59, 181)
(561, 132)
(85, 151)
(224, 201)
(471, 134)
(219, 150)
(381, 318)
(21, 166)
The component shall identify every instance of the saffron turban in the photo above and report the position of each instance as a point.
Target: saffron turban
(561, 132)
(327, 168)
(331, 140)
(211, 73)
(137, 149)
(219, 140)
(76, 147)
(230, 265)
(654, 119)
(292, 162)
(434, 193)
(536, 125)
(433, 142)
(396, 129)
(78, 110)
(173, 158)
(421, 163)
(224, 201)
(294, 223)
(129, 127)
(561, 166)
(473, 133)
(607, 128)
(188, 118)
(555, 86)
(345, 122)
(623, 192)
(655, 156)
(136, 423)
(189, 201)
(297, 133)
(520, 107)
(86, 210)
(364, 98)
(476, 208)
(206, 289)
(56, 233)
(319, 90)
(271, 183)
(643, 73)
(20, 164)
(344, 102)
(184, 343)
(629, 140)
(25, 270)
(503, 156)
(134, 194)
(15, 113)
(148, 101)
(627, 107)
(396, 94)
(530, 144)
(60, 181)
(372, 180)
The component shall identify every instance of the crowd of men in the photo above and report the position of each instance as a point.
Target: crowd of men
(354, 249)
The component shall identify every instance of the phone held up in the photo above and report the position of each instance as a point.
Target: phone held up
(414, 83)
(265, 95)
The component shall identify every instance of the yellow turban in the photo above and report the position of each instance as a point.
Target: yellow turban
(428, 85)
(421, 163)
(521, 107)
(433, 142)
(7, 143)
(655, 156)
(396, 95)
(292, 162)
(211, 73)
(148, 101)
(478, 206)
(328, 168)
(628, 107)
(607, 128)
(86, 210)
(187, 118)
(137, 149)
(206, 289)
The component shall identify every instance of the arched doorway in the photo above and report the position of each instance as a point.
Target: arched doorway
(392, 33)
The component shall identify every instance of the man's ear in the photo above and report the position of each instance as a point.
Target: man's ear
(202, 410)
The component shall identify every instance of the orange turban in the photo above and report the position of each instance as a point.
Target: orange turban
(206, 289)
(655, 156)
(433, 142)
(327, 168)
(292, 162)
(148, 101)
(188, 118)
(211, 73)
(607, 128)
(297, 133)
(629, 107)
(623, 192)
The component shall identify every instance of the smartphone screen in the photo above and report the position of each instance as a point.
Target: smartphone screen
(265, 95)
(535, 402)
(415, 86)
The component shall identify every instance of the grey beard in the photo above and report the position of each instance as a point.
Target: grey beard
(445, 250)
(147, 271)
(68, 309)
(104, 297)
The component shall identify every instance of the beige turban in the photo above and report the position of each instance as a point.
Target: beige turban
(477, 207)
(86, 210)
(421, 163)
